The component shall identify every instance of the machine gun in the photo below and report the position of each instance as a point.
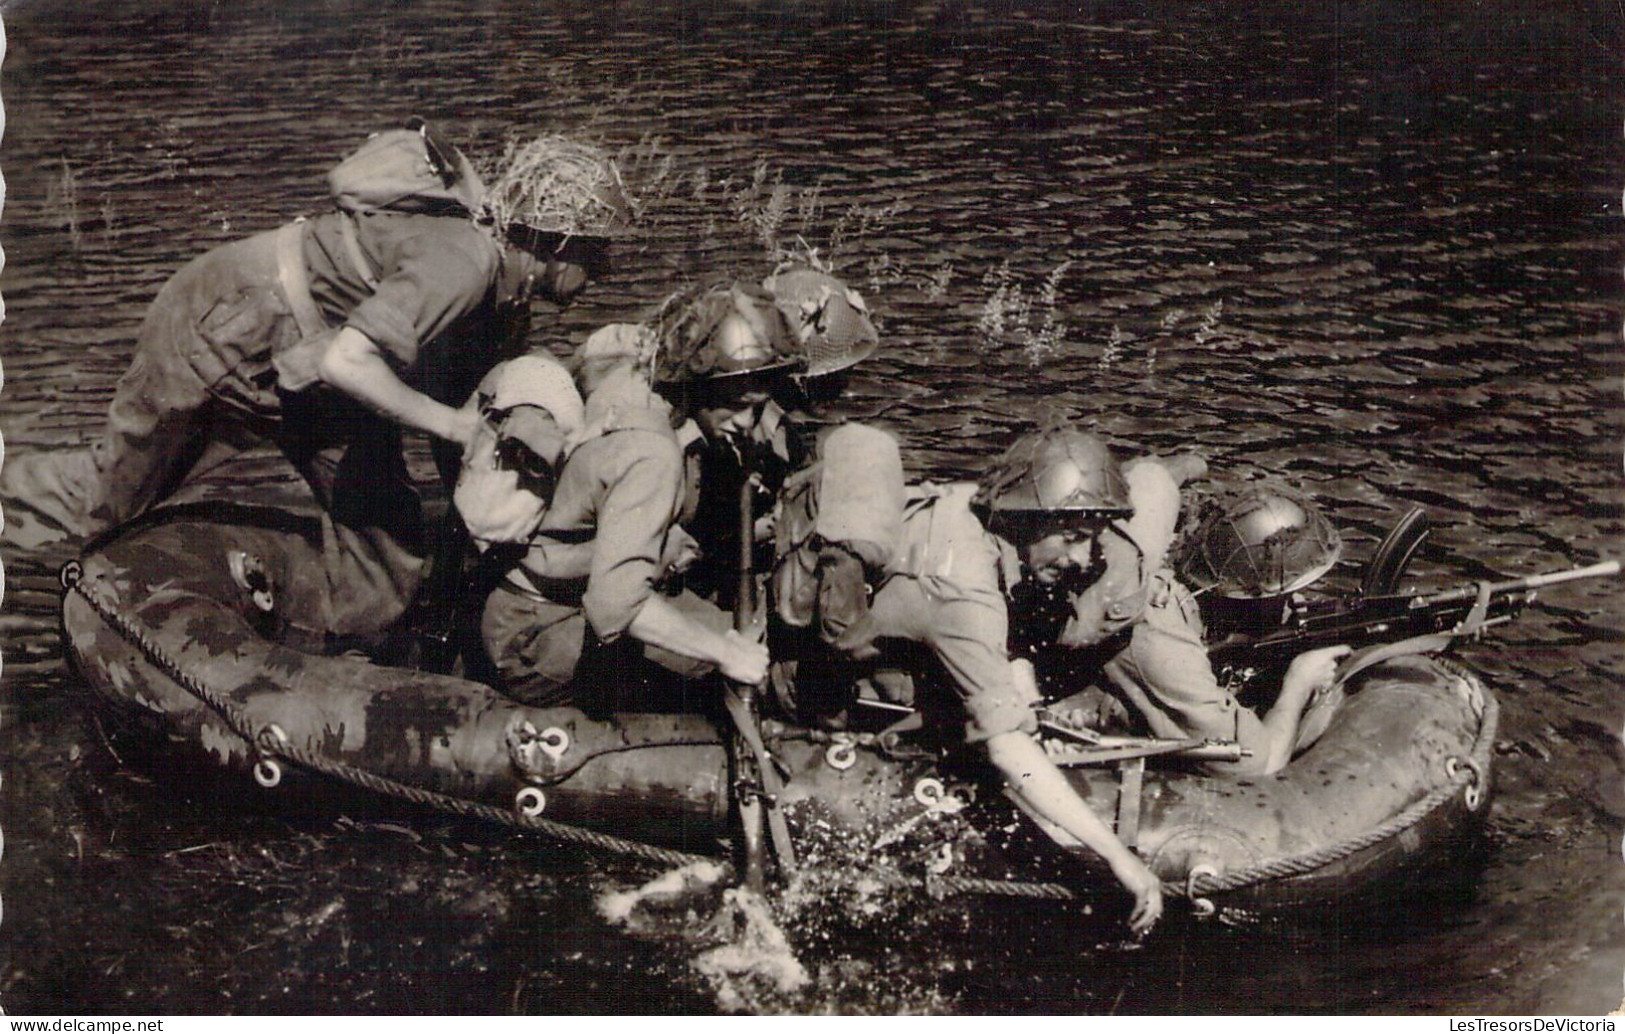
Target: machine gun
(1385, 618)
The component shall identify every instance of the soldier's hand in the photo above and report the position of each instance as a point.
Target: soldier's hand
(746, 660)
(1315, 670)
(1147, 890)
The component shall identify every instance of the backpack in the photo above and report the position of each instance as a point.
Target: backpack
(406, 170)
(528, 408)
(839, 524)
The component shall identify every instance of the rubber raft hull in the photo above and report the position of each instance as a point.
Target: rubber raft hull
(156, 624)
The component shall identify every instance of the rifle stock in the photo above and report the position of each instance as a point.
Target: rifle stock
(442, 591)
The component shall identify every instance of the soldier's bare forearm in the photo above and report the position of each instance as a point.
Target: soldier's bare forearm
(353, 365)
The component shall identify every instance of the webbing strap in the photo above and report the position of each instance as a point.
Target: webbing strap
(359, 262)
(294, 279)
(297, 365)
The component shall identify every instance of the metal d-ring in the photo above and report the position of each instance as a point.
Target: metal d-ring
(1202, 906)
(555, 742)
(268, 772)
(929, 792)
(1473, 795)
(841, 756)
(270, 742)
(530, 802)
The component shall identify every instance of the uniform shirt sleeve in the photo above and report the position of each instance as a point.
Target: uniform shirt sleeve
(966, 626)
(969, 638)
(642, 490)
(429, 278)
(1167, 660)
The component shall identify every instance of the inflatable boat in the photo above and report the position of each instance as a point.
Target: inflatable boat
(180, 624)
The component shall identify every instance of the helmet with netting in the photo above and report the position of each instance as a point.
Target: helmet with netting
(558, 185)
(1258, 542)
(799, 321)
(827, 318)
(1050, 481)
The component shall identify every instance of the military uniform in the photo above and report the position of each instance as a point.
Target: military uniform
(1150, 626)
(557, 622)
(225, 360)
(945, 591)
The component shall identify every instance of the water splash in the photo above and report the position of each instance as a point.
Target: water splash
(757, 956)
(617, 906)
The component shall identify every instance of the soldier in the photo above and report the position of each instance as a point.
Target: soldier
(328, 336)
(940, 585)
(725, 353)
(559, 625)
(1113, 597)
(741, 363)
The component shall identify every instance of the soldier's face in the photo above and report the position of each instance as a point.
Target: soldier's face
(735, 417)
(561, 281)
(565, 266)
(1063, 556)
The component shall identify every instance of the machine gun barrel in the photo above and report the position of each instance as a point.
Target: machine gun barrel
(1373, 619)
(1536, 581)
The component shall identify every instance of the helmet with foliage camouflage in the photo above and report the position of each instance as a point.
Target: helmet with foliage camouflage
(721, 330)
(800, 320)
(826, 317)
(558, 185)
(1261, 541)
(1049, 481)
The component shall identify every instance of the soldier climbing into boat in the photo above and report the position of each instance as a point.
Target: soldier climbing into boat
(325, 338)
(577, 616)
(911, 590)
(1110, 604)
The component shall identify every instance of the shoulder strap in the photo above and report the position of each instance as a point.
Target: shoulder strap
(296, 365)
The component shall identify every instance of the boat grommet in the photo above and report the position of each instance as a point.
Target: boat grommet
(1202, 906)
(267, 773)
(929, 792)
(1473, 779)
(530, 802)
(841, 756)
(941, 860)
(555, 742)
(71, 573)
(271, 739)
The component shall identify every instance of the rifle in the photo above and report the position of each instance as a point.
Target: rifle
(1386, 618)
(442, 588)
(758, 787)
(435, 625)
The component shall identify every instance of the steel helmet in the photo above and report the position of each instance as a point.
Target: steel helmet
(827, 318)
(719, 330)
(1051, 480)
(554, 184)
(1261, 541)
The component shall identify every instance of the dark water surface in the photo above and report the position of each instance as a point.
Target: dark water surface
(1371, 247)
